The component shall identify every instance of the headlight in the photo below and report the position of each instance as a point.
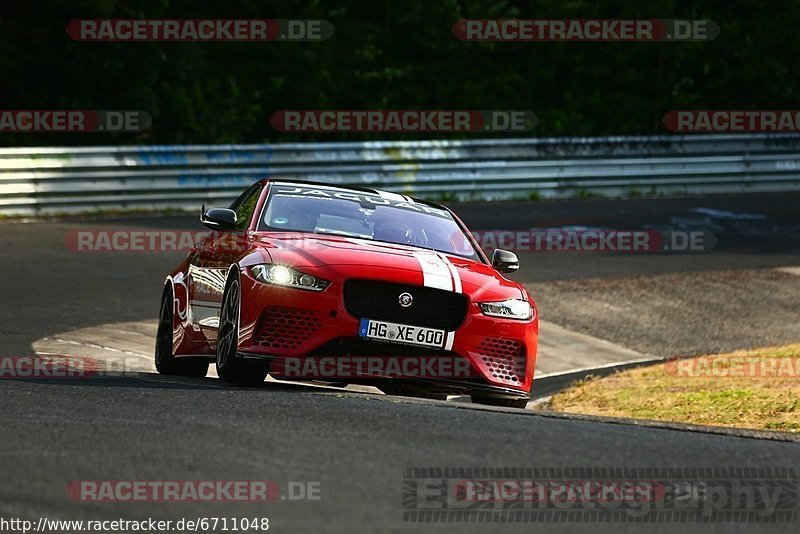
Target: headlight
(280, 275)
(509, 309)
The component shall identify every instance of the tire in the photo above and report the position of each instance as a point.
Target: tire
(230, 367)
(166, 362)
(496, 401)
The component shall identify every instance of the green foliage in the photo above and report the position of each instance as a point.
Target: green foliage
(633, 193)
(391, 55)
(586, 194)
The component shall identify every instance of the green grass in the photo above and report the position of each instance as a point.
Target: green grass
(763, 400)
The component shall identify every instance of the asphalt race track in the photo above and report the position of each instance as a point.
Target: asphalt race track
(356, 447)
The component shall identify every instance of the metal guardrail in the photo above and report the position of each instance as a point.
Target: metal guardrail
(63, 179)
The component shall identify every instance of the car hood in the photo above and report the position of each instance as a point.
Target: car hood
(348, 257)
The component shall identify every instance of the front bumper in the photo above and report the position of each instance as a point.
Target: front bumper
(282, 322)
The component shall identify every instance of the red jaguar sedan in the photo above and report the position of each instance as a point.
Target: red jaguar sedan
(308, 281)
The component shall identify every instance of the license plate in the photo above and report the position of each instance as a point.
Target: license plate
(402, 333)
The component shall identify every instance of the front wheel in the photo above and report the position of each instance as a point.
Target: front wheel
(230, 367)
(166, 362)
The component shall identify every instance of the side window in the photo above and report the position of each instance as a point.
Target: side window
(244, 206)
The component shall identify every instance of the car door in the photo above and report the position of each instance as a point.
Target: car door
(208, 270)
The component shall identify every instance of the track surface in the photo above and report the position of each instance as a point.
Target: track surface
(151, 427)
(677, 314)
(355, 446)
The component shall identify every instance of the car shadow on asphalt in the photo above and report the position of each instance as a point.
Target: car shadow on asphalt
(156, 381)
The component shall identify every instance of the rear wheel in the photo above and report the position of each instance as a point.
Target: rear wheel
(230, 367)
(499, 401)
(166, 362)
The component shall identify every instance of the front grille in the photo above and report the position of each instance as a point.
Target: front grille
(504, 358)
(285, 328)
(355, 347)
(432, 308)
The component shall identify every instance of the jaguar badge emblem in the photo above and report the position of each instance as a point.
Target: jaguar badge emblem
(405, 299)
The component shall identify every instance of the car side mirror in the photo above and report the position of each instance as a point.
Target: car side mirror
(218, 219)
(505, 261)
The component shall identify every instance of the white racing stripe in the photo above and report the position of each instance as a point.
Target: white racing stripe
(454, 273)
(396, 196)
(434, 271)
(392, 196)
(439, 272)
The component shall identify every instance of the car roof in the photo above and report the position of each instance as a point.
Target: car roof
(352, 188)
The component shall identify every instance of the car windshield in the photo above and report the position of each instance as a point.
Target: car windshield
(389, 218)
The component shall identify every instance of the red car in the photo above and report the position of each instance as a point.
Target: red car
(310, 281)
